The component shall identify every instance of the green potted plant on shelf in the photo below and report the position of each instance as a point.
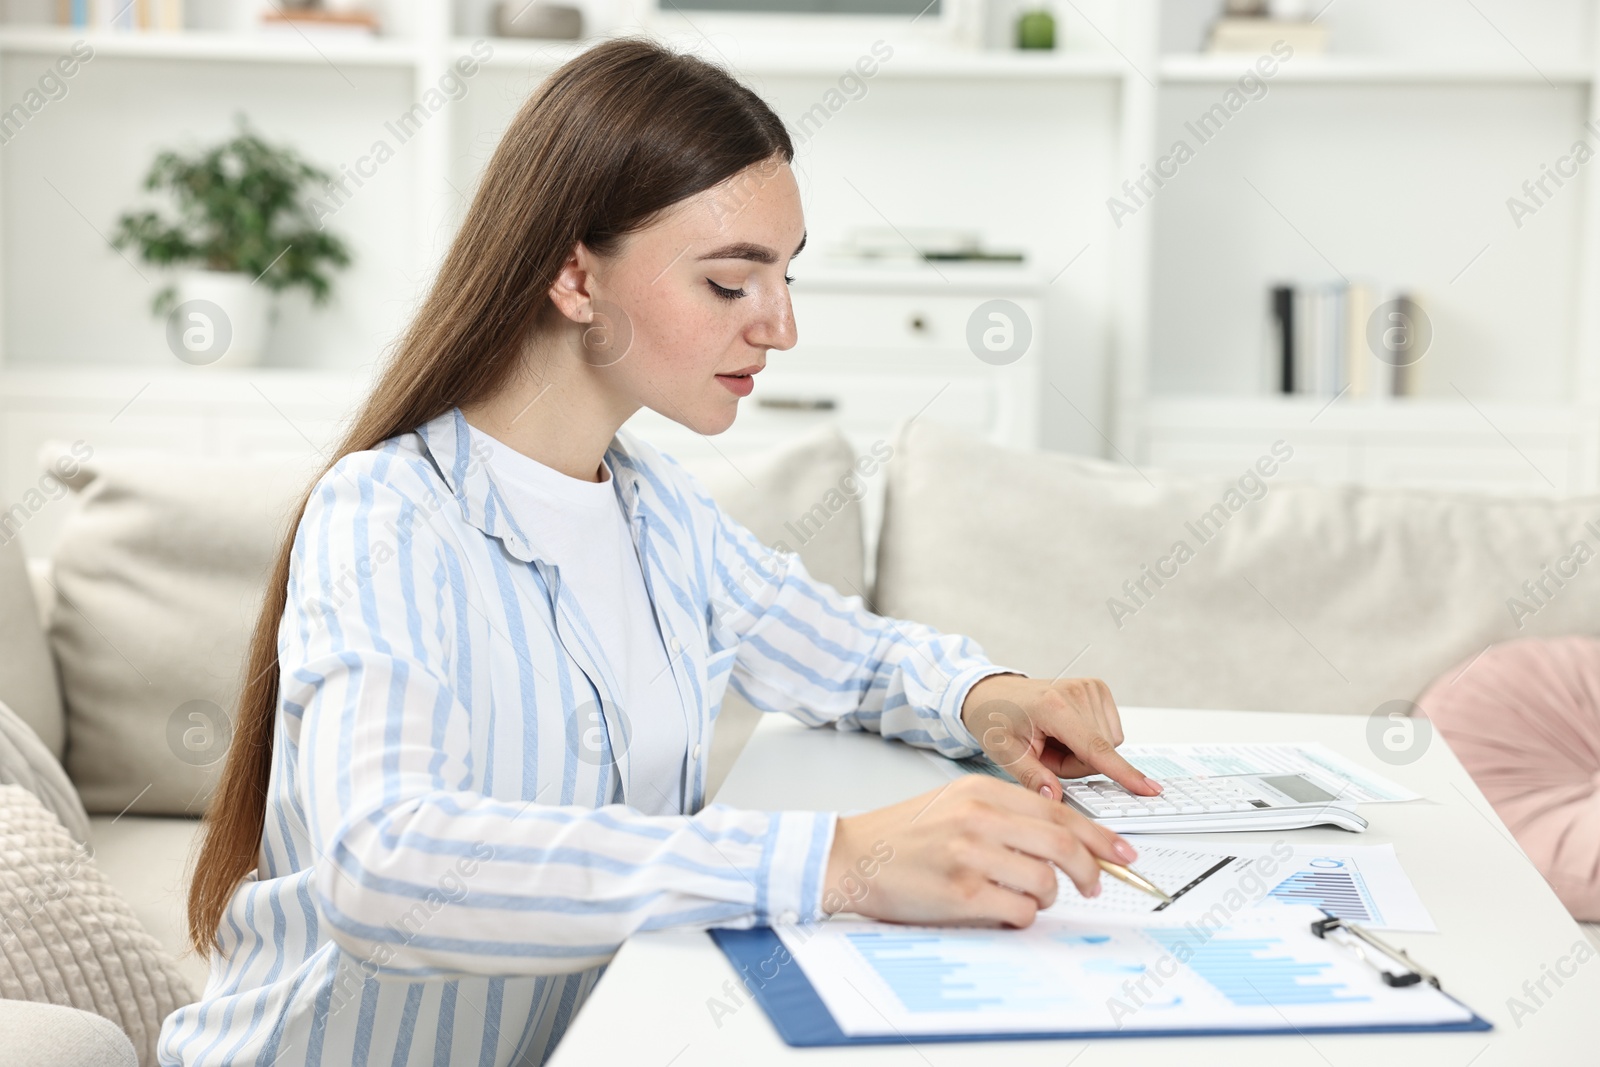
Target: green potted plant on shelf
(242, 234)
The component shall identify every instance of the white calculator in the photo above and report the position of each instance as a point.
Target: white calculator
(1209, 805)
(1203, 805)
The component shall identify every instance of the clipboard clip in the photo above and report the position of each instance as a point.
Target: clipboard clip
(1398, 969)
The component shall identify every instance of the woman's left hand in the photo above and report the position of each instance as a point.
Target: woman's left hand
(1042, 731)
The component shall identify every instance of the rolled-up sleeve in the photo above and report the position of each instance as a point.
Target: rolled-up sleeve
(418, 867)
(807, 649)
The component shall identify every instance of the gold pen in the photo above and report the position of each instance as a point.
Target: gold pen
(1133, 878)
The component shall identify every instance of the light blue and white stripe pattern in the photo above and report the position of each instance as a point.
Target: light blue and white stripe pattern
(450, 856)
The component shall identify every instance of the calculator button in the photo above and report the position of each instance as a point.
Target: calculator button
(1164, 809)
(1219, 807)
(1191, 809)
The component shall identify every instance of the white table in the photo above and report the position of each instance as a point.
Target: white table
(1499, 923)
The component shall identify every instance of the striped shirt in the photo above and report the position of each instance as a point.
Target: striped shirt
(452, 848)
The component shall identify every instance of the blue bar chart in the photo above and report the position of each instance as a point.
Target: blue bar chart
(968, 972)
(1257, 971)
(1333, 885)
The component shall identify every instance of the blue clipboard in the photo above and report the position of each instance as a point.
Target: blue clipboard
(781, 987)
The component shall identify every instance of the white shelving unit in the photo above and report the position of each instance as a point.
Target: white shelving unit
(1151, 326)
(1499, 412)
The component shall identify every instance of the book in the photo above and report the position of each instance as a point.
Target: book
(1345, 338)
(1259, 35)
(1283, 335)
(318, 21)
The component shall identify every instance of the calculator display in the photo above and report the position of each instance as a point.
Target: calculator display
(1297, 787)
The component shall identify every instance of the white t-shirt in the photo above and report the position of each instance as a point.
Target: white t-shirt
(581, 527)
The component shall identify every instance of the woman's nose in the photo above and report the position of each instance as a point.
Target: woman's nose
(777, 328)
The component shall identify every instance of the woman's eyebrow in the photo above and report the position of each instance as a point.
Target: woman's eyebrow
(753, 252)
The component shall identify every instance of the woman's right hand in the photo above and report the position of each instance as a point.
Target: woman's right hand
(978, 851)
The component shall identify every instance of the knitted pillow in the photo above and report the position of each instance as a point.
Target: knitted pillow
(67, 937)
(25, 761)
(1524, 720)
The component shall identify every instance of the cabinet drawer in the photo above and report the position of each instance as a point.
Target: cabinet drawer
(868, 407)
(871, 403)
(890, 322)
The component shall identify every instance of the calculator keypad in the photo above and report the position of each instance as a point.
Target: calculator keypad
(1104, 799)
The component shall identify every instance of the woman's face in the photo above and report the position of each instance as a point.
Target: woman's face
(692, 304)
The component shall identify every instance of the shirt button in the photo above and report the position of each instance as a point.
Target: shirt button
(696, 753)
(789, 918)
(674, 644)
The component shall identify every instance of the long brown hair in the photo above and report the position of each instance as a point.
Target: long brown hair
(597, 152)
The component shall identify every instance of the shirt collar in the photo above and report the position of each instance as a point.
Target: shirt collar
(447, 440)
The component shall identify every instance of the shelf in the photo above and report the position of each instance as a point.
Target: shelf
(830, 61)
(1202, 69)
(832, 274)
(276, 46)
(178, 382)
(1422, 414)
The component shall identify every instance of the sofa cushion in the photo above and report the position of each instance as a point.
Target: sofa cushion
(160, 571)
(1256, 593)
(27, 673)
(146, 858)
(53, 1035)
(71, 939)
(24, 761)
(1524, 719)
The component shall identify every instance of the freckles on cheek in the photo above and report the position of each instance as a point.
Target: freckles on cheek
(686, 339)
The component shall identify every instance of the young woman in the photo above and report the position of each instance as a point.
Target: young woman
(469, 756)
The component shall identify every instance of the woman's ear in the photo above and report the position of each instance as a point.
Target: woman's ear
(569, 293)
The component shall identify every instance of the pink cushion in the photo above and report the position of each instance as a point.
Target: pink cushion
(1525, 721)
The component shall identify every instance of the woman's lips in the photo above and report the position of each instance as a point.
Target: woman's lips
(738, 384)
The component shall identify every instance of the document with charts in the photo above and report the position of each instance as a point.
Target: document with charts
(1107, 974)
(1364, 884)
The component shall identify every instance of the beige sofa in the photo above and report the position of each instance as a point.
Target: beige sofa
(1257, 592)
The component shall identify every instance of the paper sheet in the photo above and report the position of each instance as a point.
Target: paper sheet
(1112, 972)
(1363, 883)
(1210, 760)
(1177, 869)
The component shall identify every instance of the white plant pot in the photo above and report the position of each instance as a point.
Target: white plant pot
(220, 316)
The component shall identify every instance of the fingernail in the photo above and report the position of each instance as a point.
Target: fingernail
(1094, 890)
(1044, 791)
(1124, 851)
(1153, 784)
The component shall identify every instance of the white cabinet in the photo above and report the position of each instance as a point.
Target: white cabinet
(879, 345)
(1504, 448)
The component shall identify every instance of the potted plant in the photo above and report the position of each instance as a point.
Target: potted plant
(242, 234)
